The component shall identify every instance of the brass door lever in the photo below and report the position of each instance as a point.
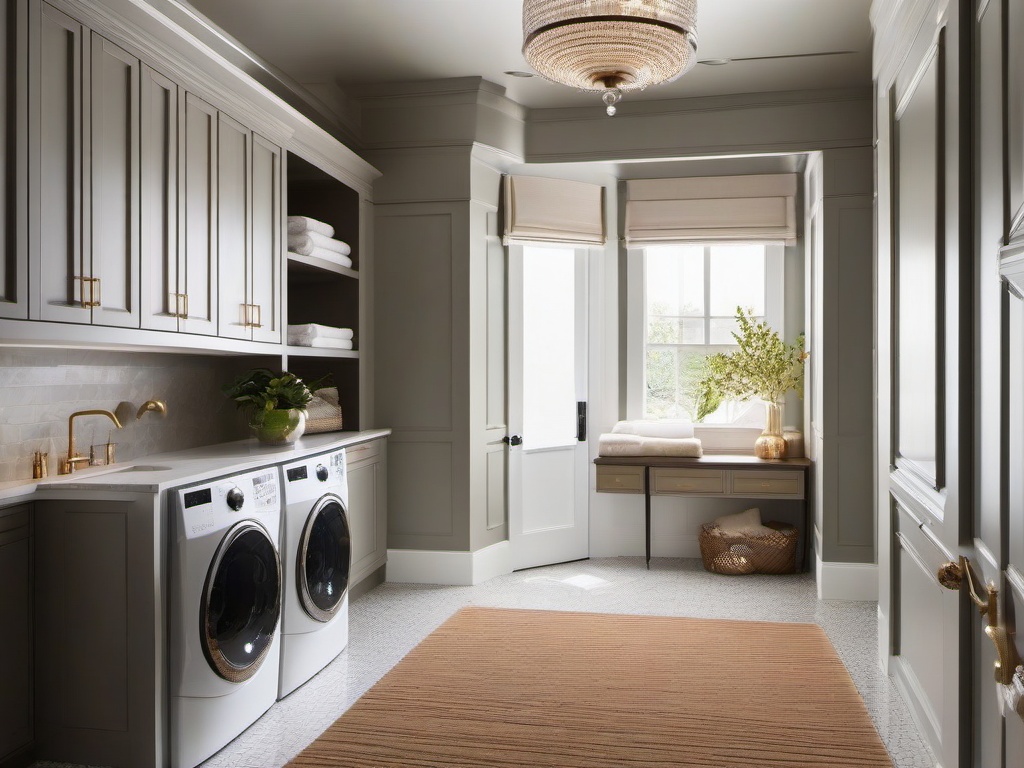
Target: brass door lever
(951, 576)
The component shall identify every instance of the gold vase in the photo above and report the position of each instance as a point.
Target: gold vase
(770, 444)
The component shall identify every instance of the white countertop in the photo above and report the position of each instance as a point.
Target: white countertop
(158, 472)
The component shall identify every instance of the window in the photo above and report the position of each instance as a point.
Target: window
(691, 293)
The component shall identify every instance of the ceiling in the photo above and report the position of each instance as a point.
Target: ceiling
(363, 43)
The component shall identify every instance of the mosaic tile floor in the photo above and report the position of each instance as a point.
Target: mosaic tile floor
(390, 620)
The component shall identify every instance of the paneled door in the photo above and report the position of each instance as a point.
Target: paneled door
(548, 457)
(929, 479)
(13, 171)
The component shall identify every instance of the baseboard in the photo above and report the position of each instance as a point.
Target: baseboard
(418, 566)
(917, 702)
(846, 581)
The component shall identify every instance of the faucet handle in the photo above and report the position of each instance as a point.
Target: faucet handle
(157, 406)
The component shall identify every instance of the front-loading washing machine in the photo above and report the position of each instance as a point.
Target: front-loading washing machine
(225, 610)
(316, 549)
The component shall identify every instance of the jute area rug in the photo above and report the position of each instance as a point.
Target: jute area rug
(504, 688)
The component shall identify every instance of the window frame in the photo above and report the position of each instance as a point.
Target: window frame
(636, 328)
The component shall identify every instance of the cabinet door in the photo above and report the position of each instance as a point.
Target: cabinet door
(16, 638)
(367, 493)
(113, 207)
(233, 199)
(13, 210)
(55, 171)
(265, 266)
(158, 139)
(197, 188)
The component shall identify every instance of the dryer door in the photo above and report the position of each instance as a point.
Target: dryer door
(241, 602)
(324, 558)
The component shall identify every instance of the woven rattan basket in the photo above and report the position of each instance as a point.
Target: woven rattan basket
(735, 555)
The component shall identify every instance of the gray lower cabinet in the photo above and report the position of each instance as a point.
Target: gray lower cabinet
(98, 631)
(16, 637)
(368, 516)
(13, 172)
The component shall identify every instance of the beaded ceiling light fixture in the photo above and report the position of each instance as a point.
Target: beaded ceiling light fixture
(610, 46)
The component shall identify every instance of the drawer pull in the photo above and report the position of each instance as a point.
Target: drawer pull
(684, 486)
(766, 484)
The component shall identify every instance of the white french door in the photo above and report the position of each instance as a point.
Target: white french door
(547, 350)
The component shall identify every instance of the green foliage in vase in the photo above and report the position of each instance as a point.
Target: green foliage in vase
(764, 366)
(262, 390)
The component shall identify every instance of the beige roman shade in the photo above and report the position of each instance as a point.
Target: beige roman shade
(553, 211)
(736, 208)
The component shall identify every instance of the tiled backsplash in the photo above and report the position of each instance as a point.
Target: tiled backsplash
(40, 388)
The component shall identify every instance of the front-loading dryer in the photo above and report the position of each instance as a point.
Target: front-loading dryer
(225, 610)
(316, 549)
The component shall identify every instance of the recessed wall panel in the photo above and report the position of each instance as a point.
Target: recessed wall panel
(420, 490)
(413, 350)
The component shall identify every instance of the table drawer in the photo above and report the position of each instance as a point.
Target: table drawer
(620, 479)
(698, 481)
(753, 483)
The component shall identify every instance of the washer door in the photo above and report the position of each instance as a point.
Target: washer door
(241, 602)
(324, 559)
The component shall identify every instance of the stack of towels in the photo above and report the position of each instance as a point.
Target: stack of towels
(325, 336)
(644, 437)
(309, 237)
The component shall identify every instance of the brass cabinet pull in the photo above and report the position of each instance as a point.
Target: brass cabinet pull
(252, 316)
(94, 291)
(952, 575)
(184, 302)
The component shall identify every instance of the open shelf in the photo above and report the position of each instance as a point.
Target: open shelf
(312, 268)
(294, 351)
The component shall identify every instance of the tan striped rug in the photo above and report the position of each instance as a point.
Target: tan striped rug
(494, 687)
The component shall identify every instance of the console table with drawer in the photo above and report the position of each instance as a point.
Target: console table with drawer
(742, 477)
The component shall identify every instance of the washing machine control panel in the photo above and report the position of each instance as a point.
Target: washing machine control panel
(208, 508)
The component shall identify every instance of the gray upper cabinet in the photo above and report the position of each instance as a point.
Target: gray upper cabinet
(84, 174)
(130, 200)
(179, 250)
(161, 301)
(55, 170)
(265, 288)
(112, 210)
(197, 202)
(13, 197)
(233, 174)
(249, 233)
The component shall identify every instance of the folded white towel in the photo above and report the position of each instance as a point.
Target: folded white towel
(674, 428)
(305, 243)
(314, 330)
(636, 445)
(323, 343)
(746, 523)
(299, 224)
(332, 256)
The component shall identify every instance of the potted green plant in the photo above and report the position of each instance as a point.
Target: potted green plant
(275, 402)
(764, 366)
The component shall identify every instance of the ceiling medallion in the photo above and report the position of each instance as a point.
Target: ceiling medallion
(610, 46)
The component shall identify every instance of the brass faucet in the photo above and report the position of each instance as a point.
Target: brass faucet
(67, 466)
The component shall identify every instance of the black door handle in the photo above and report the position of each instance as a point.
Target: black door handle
(513, 440)
(581, 421)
